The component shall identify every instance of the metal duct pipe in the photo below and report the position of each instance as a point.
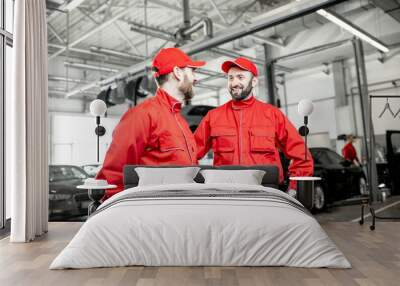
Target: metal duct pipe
(89, 67)
(269, 41)
(204, 23)
(228, 35)
(116, 53)
(77, 50)
(152, 33)
(61, 78)
(234, 33)
(186, 14)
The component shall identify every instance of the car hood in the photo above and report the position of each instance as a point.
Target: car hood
(352, 169)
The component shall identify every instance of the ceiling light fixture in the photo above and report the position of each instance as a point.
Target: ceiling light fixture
(356, 31)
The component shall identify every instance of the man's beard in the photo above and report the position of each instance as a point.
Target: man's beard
(243, 94)
(186, 88)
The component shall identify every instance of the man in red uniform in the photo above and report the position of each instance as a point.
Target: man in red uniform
(154, 132)
(349, 152)
(246, 131)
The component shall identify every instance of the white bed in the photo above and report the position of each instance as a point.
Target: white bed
(203, 225)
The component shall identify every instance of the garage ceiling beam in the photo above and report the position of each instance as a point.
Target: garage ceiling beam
(103, 57)
(71, 5)
(93, 31)
(55, 33)
(218, 11)
(243, 11)
(391, 7)
(292, 11)
(116, 26)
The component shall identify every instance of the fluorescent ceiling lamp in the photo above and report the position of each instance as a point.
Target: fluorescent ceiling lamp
(356, 31)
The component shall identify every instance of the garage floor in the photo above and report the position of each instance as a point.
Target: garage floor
(374, 255)
(390, 208)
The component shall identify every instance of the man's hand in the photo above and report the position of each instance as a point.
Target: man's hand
(292, 193)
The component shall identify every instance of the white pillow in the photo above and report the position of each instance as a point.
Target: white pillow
(163, 176)
(248, 177)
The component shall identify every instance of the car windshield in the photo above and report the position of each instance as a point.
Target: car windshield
(92, 170)
(58, 173)
(326, 157)
(395, 138)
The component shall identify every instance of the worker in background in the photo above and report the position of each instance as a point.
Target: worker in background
(154, 132)
(246, 131)
(349, 152)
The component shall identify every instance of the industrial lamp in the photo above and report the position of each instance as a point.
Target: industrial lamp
(305, 108)
(98, 108)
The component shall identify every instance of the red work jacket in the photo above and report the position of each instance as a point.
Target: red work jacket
(349, 152)
(152, 133)
(251, 132)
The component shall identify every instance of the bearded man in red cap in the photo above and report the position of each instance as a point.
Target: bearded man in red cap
(154, 132)
(246, 131)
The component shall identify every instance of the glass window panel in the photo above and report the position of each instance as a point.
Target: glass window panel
(9, 14)
(396, 143)
(1, 14)
(8, 89)
(2, 204)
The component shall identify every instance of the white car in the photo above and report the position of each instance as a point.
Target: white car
(91, 169)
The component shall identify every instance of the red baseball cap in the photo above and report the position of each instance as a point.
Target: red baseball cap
(167, 59)
(241, 63)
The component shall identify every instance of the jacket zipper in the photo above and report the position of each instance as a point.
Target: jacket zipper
(240, 137)
(184, 136)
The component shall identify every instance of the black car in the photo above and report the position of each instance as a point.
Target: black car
(340, 179)
(388, 170)
(65, 200)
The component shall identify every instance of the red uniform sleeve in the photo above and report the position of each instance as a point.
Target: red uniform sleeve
(130, 137)
(202, 136)
(292, 145)
(345, 152)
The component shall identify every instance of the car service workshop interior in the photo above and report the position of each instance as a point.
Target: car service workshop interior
(209, 142)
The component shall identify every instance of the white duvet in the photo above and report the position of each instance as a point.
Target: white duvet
(201, 224)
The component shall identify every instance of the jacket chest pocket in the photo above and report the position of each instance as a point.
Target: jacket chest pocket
(223, 139)
(262, 140)
(169, 143)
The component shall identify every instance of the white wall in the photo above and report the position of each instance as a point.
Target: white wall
(73, 141)
(378, 72)
(319, 87)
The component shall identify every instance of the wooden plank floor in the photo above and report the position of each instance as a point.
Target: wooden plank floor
(375, 257)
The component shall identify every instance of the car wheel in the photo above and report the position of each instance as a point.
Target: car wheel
(319, 198)
(363, 186)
